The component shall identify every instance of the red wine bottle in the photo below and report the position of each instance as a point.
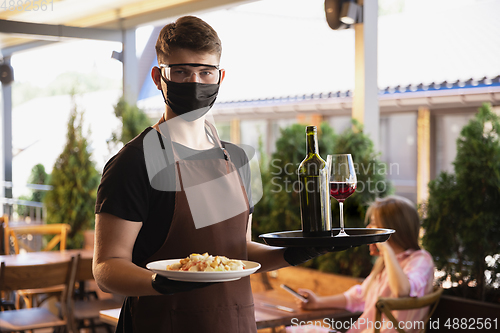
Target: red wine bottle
(313, 191)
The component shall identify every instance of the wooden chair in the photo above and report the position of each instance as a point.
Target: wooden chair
(83, 307)
(4, 221)
(13, 278)
(386, 305)
(5, 304)
(15, 234)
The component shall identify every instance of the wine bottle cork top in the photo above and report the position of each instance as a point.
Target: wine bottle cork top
(311, 128)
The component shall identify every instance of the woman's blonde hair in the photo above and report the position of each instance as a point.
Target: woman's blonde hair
(398, 213)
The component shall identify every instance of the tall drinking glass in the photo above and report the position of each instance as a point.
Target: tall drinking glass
(343, 181)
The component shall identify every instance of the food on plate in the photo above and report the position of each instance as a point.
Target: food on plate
(207, 263)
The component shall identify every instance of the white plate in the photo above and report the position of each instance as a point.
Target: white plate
(160, 267)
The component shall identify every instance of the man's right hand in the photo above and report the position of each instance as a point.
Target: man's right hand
(165, 286)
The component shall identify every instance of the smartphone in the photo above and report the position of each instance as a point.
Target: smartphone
(294, 293)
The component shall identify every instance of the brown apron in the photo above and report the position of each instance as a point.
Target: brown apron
(221, 307)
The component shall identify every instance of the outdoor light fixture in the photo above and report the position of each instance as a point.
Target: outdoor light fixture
(332, 12)
(350, 12)
(342, 14)
(6, 73)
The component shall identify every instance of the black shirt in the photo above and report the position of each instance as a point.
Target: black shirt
(127, 192)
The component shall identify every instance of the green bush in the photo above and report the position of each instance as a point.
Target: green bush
(462, 215)
(23, 210)
(74, 181)
(279, 209)
(37, 176)
(40, 177)
(134, 121)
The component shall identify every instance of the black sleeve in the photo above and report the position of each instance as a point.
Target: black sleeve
(240, 160)
(125, 189)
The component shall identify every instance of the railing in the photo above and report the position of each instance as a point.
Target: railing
(34, 214)
(36, 210)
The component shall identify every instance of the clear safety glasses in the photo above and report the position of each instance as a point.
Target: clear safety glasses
(192, 73)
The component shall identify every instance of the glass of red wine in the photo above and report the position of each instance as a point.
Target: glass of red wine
(343, 181)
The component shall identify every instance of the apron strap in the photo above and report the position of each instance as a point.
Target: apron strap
(175, 157)
(215, 136)
(166, 146)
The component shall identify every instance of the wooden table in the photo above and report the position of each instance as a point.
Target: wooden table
(266, 316)
(45, 257)
(110, 316)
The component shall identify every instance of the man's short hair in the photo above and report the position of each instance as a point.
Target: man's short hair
(188, 32)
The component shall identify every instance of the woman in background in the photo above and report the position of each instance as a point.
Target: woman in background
(402, 269)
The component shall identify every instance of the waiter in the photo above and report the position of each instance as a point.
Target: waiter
(174, 190)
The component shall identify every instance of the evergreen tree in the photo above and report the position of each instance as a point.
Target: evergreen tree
(462, 224)
(38, 176)
(74, 181)
(134, 121)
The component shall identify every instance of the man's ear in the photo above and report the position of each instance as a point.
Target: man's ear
(156, 76)
(222, 75)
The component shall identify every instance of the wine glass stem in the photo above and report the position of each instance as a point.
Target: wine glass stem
(341, 206)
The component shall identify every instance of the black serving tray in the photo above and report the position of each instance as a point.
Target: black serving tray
(357, 237)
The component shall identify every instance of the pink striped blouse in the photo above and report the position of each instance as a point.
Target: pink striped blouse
(419, 268)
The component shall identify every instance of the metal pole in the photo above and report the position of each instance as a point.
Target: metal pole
(130, 64)
(365, 101)
(7, 135)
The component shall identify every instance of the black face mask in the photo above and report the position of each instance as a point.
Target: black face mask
(190, 100)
